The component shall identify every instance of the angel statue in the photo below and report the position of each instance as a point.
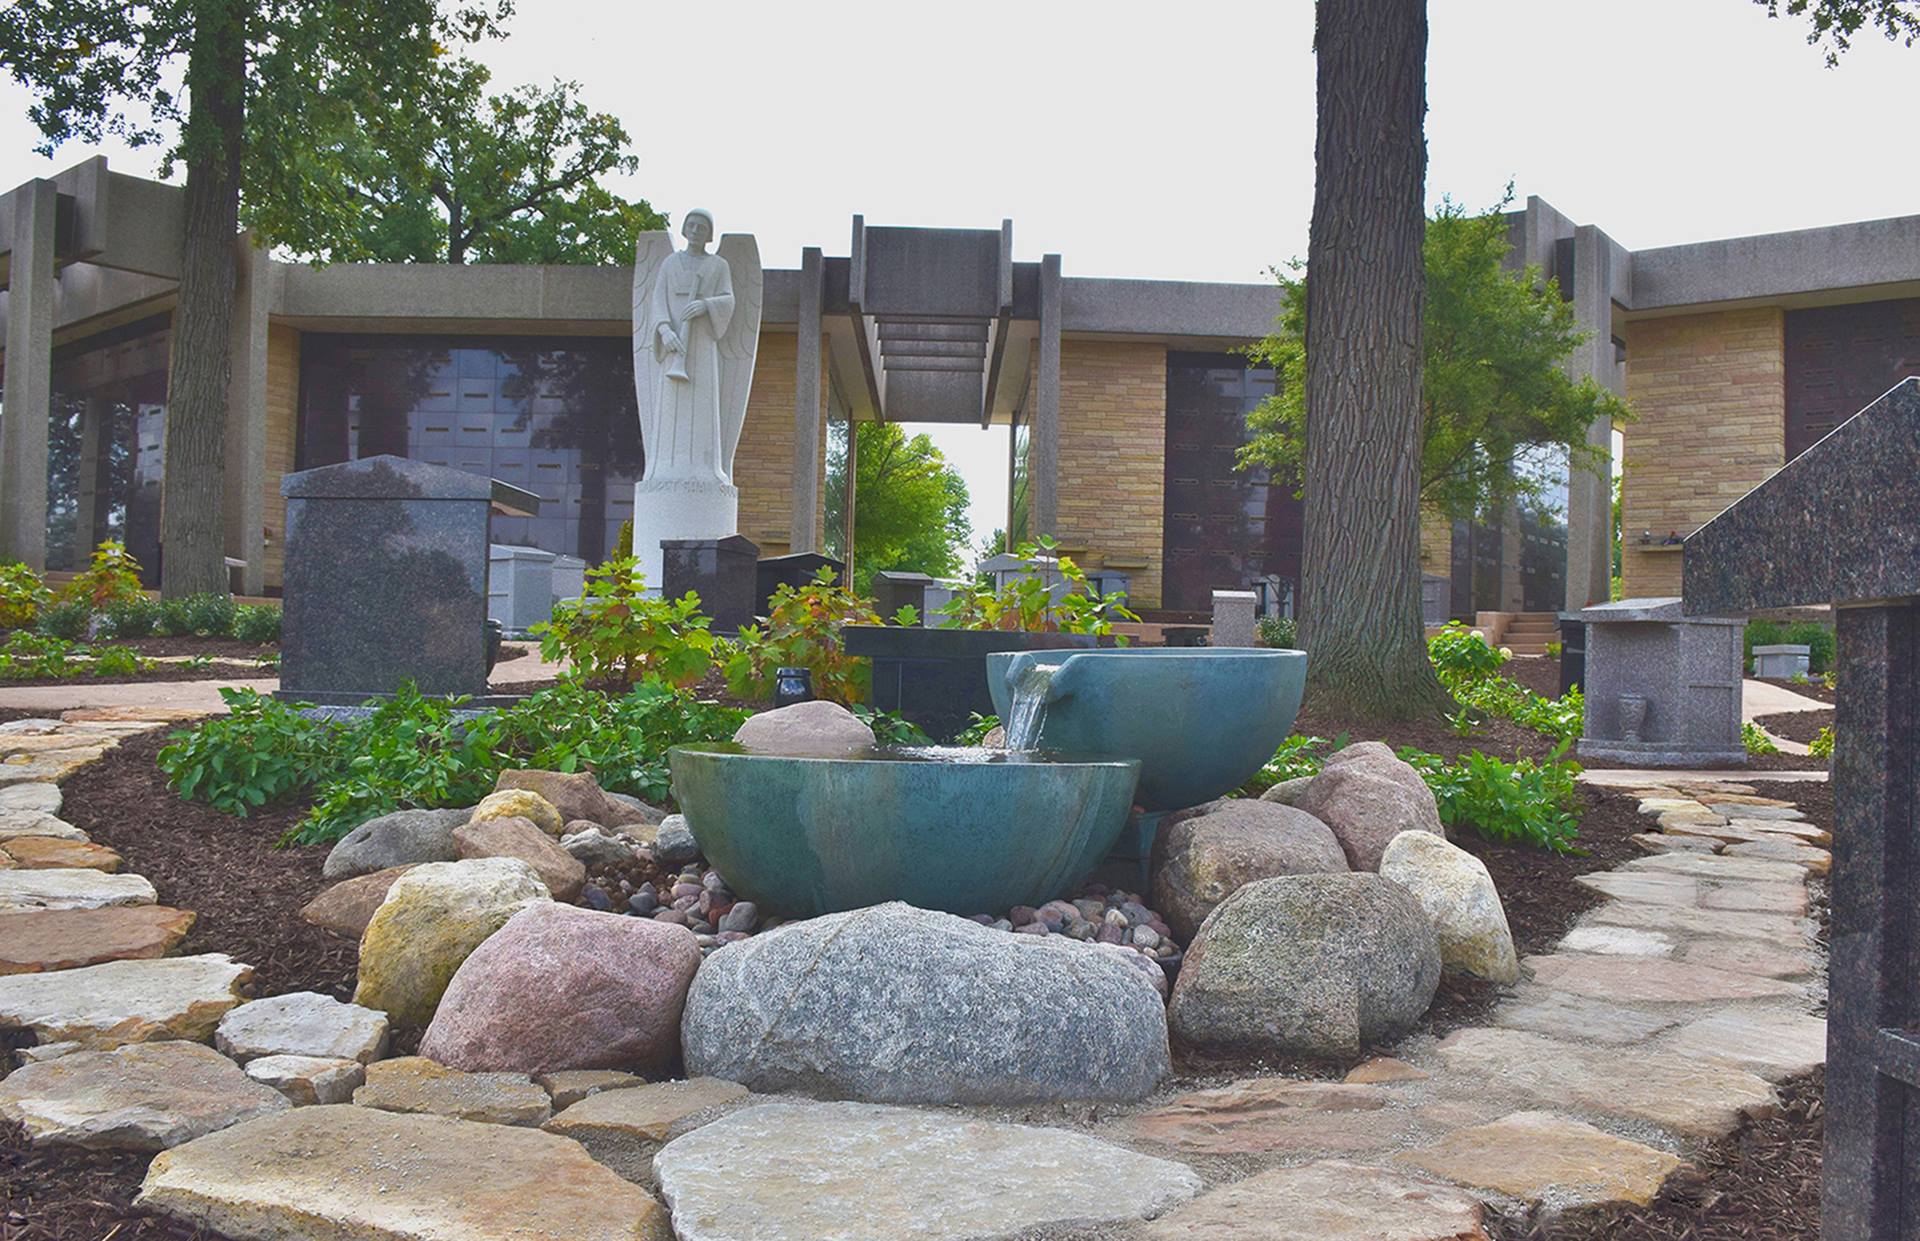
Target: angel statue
(696, 325)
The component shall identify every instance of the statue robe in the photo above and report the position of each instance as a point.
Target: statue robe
(684, 442)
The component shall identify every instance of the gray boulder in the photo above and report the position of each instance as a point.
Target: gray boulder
(398, 839)
(627, 809)
(893, 1004)
(675, 844)
(1308, 965)
(1287, 792)
(594, 846)
(1368, 796)
(806, 728)
(1205, 858)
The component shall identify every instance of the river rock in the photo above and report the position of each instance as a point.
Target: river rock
(417, 1084)
(674, 844)
(356, 1173)
(594, 846)
(35, 940)
(519, 804)
(103, 1006)
(1327, 1201)
(628, 810)
(302, 1023)
(897, 1004)
(346, 907)
(810, 1171)
(575, 794)
(434, 915)
(72, 889)
(625, 1129)
(1368, 796)
(1205, 858)
(307, 1080)
(806, 728)
(146, 1097)
(564, 988)
(1287, 792)
(403, 838)
(1315, 965)
(1459, 898)
(515, 837)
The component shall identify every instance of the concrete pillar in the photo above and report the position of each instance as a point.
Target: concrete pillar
(805, 532)
(1590, 487)
(1043, 455)
(29, 376)
(244, 504)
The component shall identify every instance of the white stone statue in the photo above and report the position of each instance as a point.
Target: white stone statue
(696, 327)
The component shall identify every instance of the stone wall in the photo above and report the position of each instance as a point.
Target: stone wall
(1113, 442)
(763, 465)
(282, 414)
(1708, 393)
(1436, 541)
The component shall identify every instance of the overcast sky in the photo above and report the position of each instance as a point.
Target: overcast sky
(1176, 140)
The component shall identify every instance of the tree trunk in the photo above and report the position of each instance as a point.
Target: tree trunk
(192, 531)
(1360, 588)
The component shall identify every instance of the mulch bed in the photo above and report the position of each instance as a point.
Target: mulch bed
(1797, 725)
(190, 644)
(216, 671)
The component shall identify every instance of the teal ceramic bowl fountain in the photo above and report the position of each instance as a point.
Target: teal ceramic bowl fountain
(963, 830)
(1201, 720)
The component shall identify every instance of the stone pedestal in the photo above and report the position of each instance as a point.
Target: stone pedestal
(519, 586)
(1233, 613)
(674, 511)
(1663, 688)
(721, 571)
(569, 577)
(1782, 659)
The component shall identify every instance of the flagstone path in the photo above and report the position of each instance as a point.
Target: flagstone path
(1665, 1015)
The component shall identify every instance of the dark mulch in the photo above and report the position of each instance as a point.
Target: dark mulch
(1810, 688)
(216, 671)
(1797, 725)
(190, 644)
(1501, 738)
(63, 1194)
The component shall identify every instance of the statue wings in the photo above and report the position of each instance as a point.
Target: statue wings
(742, 341)
(650, 251)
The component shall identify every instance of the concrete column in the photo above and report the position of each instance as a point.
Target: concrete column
(244, 502)
(1043, 454)
(1590, 488)
(29, 376)
(805, 533)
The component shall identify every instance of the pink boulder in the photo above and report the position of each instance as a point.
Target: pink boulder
(559, 987)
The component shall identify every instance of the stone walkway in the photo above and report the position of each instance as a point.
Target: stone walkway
(1666, 1013)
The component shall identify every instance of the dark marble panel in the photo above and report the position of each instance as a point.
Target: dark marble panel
(795, 570)
(1841, 522)
(723, 572)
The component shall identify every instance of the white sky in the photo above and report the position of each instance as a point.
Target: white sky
(1176, 141)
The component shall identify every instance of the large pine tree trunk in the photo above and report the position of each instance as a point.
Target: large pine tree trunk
(192, 530)
(1360, 589)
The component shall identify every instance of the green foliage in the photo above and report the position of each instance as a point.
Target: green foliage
(978, 726)
(1278, 631)
(910, 505)
(1554, 650)
(256, 622)
(1522, 802)
(261, 751)
(803, 631)
(1462, 656)
(1822, 744)
(1757, 741)
(134, 618)
(1497, 404)
(202, 616)
(67, 620)
(37, 657)
(1469, 667)
(1298, 756)
(1816, 637)
(890, 728)
(112, 576)
(22, 595)
(1029, 603)
(1835, 22)
(615, 634)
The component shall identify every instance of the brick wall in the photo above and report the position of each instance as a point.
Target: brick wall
(1113, 442)
(1436, 541)
(283, 406)
(1708, 393)
(763, 464)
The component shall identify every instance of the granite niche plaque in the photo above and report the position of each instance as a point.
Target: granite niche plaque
(723, 572)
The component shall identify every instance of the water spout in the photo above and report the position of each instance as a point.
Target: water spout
(1027, 711)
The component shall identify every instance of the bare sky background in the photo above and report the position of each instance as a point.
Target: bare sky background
(1176, 140)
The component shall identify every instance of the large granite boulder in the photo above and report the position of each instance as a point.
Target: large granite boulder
(563, 873)
(346, 907)
(561, 988)
(1203, 859)
(903, 1005)
(1456, 891)
(575, 794)
(144, 1096)
(1307, 965)
(398, 839)
(435, 915)
(1368, 796)
(816, 728)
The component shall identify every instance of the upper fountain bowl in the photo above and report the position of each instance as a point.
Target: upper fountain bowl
(1201, 720)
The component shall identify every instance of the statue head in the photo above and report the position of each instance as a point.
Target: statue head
(697, 228)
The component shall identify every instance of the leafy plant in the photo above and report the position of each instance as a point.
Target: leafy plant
(1522, 802)
(112, 576)
(615, 634)
(890, 728)
(68, 620)
(1554, 650)
(1757, 741)
(1278, 631)
(1463, 722)
(1462, 656)
(1822, 744)
(22, 595)
(1299, 755)
(40, 657)
(1470, 669)
(803, 630)
(1036, 602)
(256, 622)
(978, 726)
(131, 618)
(261, 751)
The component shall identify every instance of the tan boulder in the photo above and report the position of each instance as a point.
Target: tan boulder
(434, 916)
(346, 907)
(575, 794)
(519, 804)
(519, 838)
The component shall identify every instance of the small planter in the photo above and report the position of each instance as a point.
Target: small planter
(937, 678)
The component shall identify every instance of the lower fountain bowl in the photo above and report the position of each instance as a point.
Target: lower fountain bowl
(961, 830)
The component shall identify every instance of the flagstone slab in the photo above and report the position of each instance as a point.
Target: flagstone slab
(1746, 956)
(43, 768)
(17, 823)
(814, 1171)
(355, 1174)
(147, 1096)
(1746, 809)
(1663, 804)
(625, 1129)
(1382, 1070)
(1538, 1155)
(1781, 827)
(53, 853)
(72, 889)
(1650, 979)
(144, 715)
(104, 1006)
(1327, 1201)
(1623, 941)
(1667, 842)
(36, 940)
(303, 1023)
(1654, 889)
(1694, 1098)
(1782, 898)
(1817, 861)
(1775, 928)
(1721, 867)
(54, 743)
(568, 1086)
(42, 797)
(307, 1080)
(417, 1084)
(1775, 1044)
(1718, 831)
(1678, 820)
(1273, 1115)
(14, 728)
(1751, 799)
(1576, 1017)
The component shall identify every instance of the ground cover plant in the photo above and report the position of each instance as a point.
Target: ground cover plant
(1469, 667)
(28, 656)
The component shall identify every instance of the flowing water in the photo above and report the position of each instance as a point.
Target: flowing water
(1027, 713)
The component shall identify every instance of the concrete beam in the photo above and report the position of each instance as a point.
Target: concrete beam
(804, 533)
(1043, 449)
(1168, 308)
(29, 375)
(1778, 265)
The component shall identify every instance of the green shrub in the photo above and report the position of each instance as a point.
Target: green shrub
(210, 616)
(1029, 604)
(131, 618)
(890, 728)
(1757, 742)
(1822, 744)
(1278, 631)
(804, 630)
(975, 733)
(22, 595)
(256, 622)
(1462, 656)
(41, 657)
(1522, 802)
(67, 620)
(1816, 637)
(615, 634)
(172, 620)
(111, 576)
